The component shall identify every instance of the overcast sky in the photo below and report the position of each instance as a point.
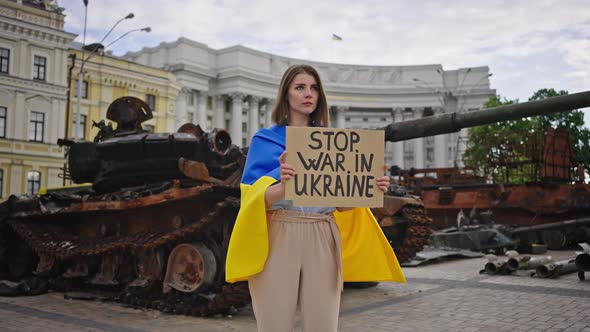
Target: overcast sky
(528, 44)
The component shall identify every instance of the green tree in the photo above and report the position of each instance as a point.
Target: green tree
(511, 151)
(574, 121)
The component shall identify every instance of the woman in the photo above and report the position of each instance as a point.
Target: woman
(294, 254)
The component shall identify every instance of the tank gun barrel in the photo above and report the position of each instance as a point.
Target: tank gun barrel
(453, 122)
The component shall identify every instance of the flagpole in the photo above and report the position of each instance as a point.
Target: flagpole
(335, 38)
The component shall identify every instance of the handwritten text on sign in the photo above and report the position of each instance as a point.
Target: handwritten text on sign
(335, 167)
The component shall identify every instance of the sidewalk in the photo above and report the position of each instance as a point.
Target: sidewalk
(451, 296)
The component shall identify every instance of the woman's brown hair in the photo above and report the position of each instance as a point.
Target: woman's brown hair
(320, 117)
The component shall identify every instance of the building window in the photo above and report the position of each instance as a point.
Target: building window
(244, 126)
(1, 182)
(209, 123)
(428, 111)
(149, 128)
(151, 101)
(82, 128)
(365, 119)
(84, 89)
(33, 182)
(2, 122)
(4, 60)
(36, 126)
(39, 67)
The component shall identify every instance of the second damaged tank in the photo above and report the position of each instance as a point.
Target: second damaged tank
(153, 228)
(566, 202)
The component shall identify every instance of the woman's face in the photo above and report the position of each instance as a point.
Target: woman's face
(303, 95)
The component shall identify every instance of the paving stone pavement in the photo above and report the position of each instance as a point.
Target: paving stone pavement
(450, 296)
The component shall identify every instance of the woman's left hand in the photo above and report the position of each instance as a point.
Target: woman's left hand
(383, 183)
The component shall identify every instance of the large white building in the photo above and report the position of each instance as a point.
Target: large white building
(33, 86)
(236, 87)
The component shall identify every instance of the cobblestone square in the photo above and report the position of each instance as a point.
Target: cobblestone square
(450, 296)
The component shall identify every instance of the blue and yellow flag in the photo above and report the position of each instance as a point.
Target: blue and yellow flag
(366, 253)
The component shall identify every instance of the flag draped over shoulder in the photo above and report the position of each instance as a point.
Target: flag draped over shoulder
(366, 253)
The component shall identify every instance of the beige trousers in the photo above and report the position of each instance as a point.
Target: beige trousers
(304, 265)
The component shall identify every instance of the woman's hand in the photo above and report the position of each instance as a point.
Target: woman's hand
(276, 192)
(287, 171)
(383, 183)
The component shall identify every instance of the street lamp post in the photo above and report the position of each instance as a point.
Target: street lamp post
(146, 29)
(471, 89)
(427, 85)
(84, 60)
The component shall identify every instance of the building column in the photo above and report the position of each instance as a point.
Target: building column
(201, 113)
(219, 112)
(21, 126)
(254, 116)
(54, 122)
(418, 144)
(61, 122)
(440, 146)
(16, 179)
(341, 116)
(53, 180)
(56, 75)
(24, 61)
(236, 118)
(181, 113)
(270, 104)
(398, 147)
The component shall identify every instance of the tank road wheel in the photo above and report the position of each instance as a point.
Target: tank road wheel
(191, 267)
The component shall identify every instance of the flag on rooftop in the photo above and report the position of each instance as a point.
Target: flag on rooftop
(336, 37)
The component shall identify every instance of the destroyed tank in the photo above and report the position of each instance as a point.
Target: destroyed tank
(154, 227)
(558, 201)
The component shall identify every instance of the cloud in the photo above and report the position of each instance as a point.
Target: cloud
(514, 38)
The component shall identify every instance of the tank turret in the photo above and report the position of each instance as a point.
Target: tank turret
(129, 156)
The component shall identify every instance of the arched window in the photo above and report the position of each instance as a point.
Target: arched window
(33, 182)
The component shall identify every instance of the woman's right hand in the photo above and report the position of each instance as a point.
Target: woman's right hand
(276, 192)
(287, 171)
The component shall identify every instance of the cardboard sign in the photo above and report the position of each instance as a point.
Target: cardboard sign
(335, 167)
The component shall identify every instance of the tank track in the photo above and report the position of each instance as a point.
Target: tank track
(418, 230)
(218, 298)
(405, 224)
(47, 239)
